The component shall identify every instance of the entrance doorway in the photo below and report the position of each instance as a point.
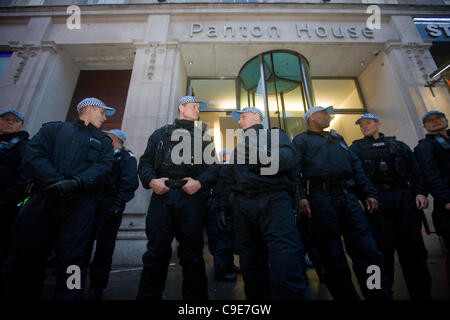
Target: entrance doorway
(110, 86)
(279, 83)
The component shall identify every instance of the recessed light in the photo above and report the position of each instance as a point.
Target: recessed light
(190, 62)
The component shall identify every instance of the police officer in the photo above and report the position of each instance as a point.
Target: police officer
(267, 242)
(392, 169)
(178, 205)
(433, 157)
(329, 169)
(67, 162)
(119, 189)
(13, 180)
(220, 235)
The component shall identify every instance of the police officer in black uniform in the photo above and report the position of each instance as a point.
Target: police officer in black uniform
(178, 206)
(329, 169)
(13, 180)
(433, 157)
(119, 189)
(67, 162)
(220, 234)
(269, 247)
(392, 169)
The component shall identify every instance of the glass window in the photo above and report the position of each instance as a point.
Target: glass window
(106, 1)
(344, 124)
(217, 93)
(339, 93)
(28, 3)
(4, 59)
(217, 124)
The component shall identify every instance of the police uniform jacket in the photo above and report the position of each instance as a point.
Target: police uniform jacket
(433, 157)
(246, 178)
(387, 160)
(62, 150)
(325, 155)
(123, 181)
(13, 180)
(156, 161)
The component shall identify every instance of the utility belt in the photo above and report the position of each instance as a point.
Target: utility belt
(391, 186)
(323, 184)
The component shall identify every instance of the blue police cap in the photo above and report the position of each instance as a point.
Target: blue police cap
(236, 115)
(315, 109)
(192, 99)
(367, 116)
(14, 112)
(96, 103)
(118, 133)
(430, 113)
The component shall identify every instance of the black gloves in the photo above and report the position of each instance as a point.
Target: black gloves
(64, 188)
(116, 209)
(221, 215)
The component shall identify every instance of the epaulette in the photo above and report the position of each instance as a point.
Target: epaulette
(359, 141)
(334, 134)
(129, 152)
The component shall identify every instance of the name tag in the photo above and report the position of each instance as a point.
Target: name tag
(379, 144)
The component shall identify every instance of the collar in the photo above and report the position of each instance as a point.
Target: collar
(371, 139)
(185, 124)
(80, 123)
(8, 136)
(255, 127)
(320, 133)
(430, 135)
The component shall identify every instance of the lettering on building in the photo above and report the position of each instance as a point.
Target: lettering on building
(302, 31)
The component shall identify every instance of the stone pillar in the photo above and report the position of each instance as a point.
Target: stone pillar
(25, 83)
(152, 97)
(412, 63)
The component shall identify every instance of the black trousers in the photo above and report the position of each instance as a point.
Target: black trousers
(337, 213)
(306, 229)
(44, 224)
(174, 214)
(106, 229)
(8, 213)
(220, 244)
(397, 226)
(269, 247)
(441, 222)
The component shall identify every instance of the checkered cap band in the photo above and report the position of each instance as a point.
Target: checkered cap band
(192, 99)
(118, 133)
(430, 113)
(14, 112)
(237, 114)
(97, 103)
(315, 109)
(367, 116)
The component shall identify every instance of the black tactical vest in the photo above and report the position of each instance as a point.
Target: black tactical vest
(383, 160)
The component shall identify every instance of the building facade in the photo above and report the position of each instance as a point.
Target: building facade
(283, 57)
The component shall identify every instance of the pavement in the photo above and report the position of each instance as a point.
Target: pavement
(124, 280)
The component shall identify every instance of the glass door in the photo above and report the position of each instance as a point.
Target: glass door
(279, 84)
